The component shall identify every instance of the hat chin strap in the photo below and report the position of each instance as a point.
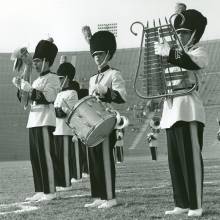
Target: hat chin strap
(104, 62)
(190, 41)
(43, 64)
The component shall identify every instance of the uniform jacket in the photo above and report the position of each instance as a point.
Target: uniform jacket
(48, 85)
(65, 100)
(188, 107)
(113, 80)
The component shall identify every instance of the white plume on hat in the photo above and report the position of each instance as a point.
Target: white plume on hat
(87, 33)
(16, 56)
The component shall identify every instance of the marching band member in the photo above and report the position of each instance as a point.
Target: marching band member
(76, 153)
(41, 120)
(184, 116)
(66, 154)
(152, 137)
(109, 85)
(83, 92)
(82, 163)
(118, 150)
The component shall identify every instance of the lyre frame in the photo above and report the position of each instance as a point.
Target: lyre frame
(166, 95)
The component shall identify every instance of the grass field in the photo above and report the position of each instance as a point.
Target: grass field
(143, 192)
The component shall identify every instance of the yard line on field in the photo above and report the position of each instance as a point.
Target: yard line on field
(211, 167)
(140, 135)
(212, 182)
(146, 188)
(22, 209)
(120, 190)
(76, 196)
(14, 204)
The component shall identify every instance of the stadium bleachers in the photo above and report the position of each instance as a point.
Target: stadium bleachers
(14, 135)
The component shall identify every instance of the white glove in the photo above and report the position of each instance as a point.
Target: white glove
(25, 86)
(100, 89)
(16, 82)
(74, 138)
(40, 86)
(119, 135)
(162, 49)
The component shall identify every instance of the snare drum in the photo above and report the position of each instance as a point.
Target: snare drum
(91, 120)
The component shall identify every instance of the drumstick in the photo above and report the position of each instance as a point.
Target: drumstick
(64, 82)
(66, 105)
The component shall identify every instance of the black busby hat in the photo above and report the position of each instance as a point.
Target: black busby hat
(66, 69)
(194, 21)
(47, 50)
(103, 41)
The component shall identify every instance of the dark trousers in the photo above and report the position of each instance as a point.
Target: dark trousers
(185, 140)
(102, 169)
(153, 151)
(84, 157)
(41, 147)
(75, 159)
(119, 153)
(63, 145)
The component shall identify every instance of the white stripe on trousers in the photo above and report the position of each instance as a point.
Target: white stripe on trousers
(46, 141)
(66, 159)
(196, 161)
(76, 147)
(107, 167)
(87, 157)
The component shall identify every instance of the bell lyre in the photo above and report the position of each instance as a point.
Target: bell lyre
(158, 78)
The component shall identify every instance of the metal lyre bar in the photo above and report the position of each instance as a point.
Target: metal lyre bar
(172, 38)
(147, 44)
(168, 69)
(162, 62)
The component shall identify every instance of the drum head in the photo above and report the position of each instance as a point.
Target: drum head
(100, 132)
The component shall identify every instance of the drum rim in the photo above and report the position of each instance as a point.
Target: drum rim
(76, 106)
(96, 143)
(89, 133)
